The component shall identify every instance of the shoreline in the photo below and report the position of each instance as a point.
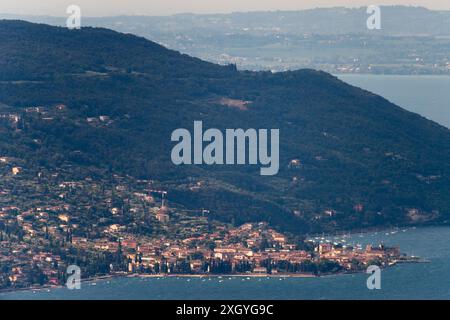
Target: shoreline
(366, 231)
(240, 275)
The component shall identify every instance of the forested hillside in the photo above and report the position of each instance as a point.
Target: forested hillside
(348, 158)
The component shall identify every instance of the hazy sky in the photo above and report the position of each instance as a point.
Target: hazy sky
(163, 7)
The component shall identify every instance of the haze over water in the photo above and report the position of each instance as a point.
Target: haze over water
(428, 96)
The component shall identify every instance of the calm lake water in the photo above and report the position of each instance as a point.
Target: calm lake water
(428, 96)
(405, 281)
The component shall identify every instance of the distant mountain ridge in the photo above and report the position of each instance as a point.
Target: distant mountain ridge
(349, 159)
(412, 40)
(396, 21)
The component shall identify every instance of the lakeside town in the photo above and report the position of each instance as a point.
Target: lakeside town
(251, 249)
(110, 225)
